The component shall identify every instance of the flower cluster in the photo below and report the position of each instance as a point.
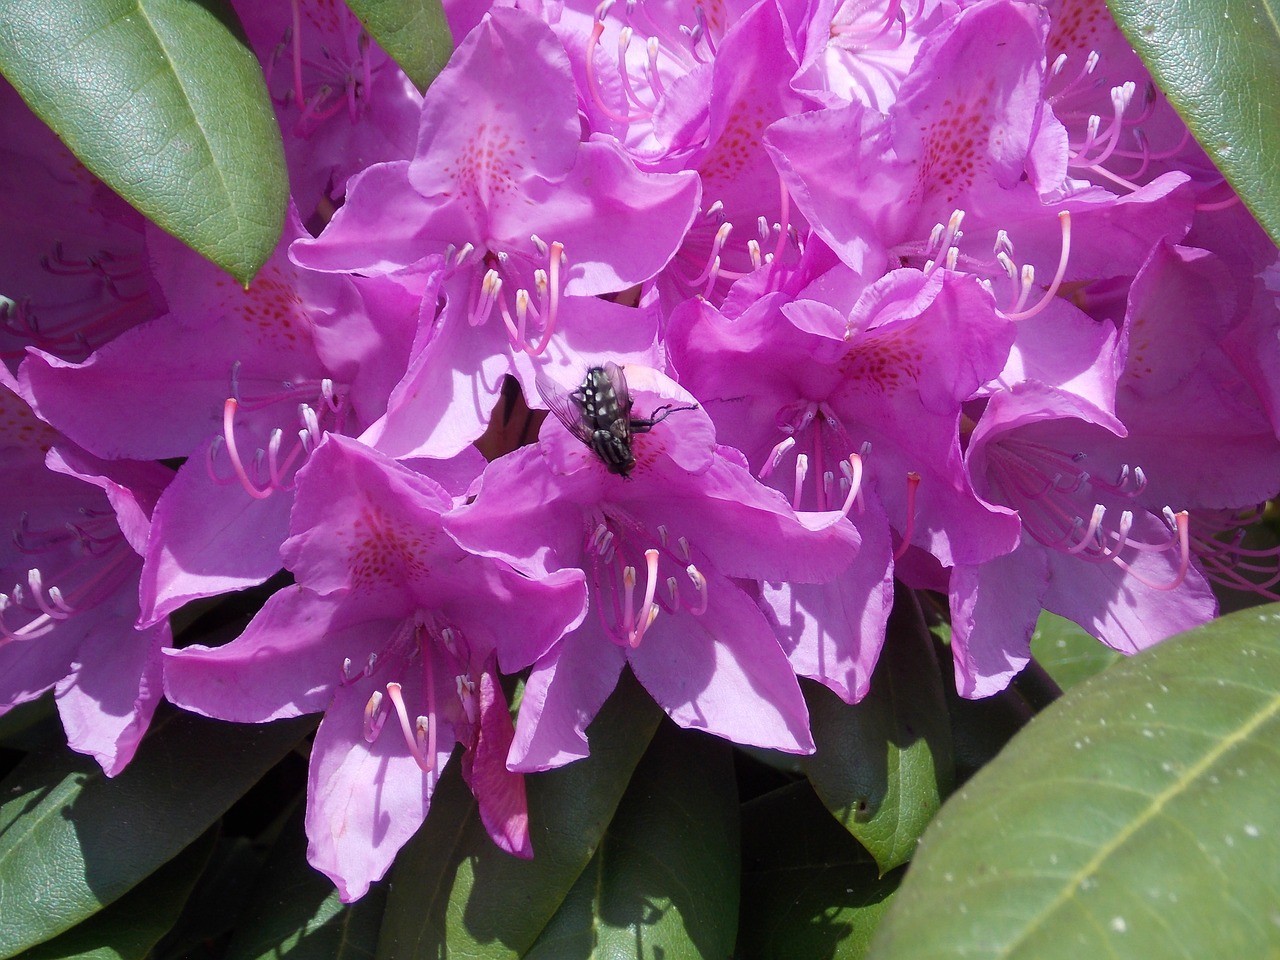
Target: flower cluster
(822, 294)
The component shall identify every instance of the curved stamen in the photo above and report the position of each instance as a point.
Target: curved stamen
(909, 530)
(1064, 221)
(415, 733)
(648, 608)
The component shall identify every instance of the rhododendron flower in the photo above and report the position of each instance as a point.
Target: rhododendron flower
(243, 383)
(69, 569)
(661, 548)
(394, 632)
(528, 218)
(73, 273)
(341, 101)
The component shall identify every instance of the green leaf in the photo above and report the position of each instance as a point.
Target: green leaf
(1067, 653)
(664, 879)
(294, 911)
(414, 32)
(1219, 64)
(214, 907)
(980, 728)
(883, 765)
(72, 841)
(808, 888)
(163, 101)
(130, 927)
(1135, 818)
(451, 885)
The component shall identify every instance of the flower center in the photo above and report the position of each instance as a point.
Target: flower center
(1055, 498)
(321, 86)
(537, 311)
(421, 642)
(615, 563)
(321, 408)
(78, 565)
(100, 297)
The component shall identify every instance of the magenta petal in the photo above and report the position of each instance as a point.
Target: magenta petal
(1119, 608)
(364, 800)
(619, 226)
(208, 538)
(382, 227)
(499, 792)
(276, 668)
(565, 691)
(107, 701)
(833, 632)
(725, 673)
(994, 608)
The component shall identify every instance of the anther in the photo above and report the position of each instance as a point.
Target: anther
(802, 471)
(779, 450)
(374, 717)
(700, 585)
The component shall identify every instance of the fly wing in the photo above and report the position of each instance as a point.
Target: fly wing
(621, 424)
(563, 404)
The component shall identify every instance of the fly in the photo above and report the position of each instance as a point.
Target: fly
(598, 413)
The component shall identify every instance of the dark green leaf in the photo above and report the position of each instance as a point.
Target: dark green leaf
(1219, 64)
(809, 889)
(452, 886)
(72, 841)
(163, 102)
(664, 880)
(214, 907)
(1067, 653)
(884, 765)
(294, 911)
(980, 728)
(414, 32)
(32, 726)
(130, 927)
(1135, 818)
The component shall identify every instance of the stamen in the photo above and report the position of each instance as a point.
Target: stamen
(593, 84)
(852, 468)
(802, 470)
(374, 717)
(229, 438)
(553, 305)
(649, 607)
(775, 456)
(466, 690)
(1064, 220)
(700, 585)
(415, 733)
(913, 484)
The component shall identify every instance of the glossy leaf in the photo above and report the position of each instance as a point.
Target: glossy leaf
(451, 885)
(809, 888)
(294, 911)
(1067, 653)
(1219, 64)
(1135, 818)
(664, 880)
(414, 32)
(72, 841)
(163, 101)
(884, 765)
(130, 927)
